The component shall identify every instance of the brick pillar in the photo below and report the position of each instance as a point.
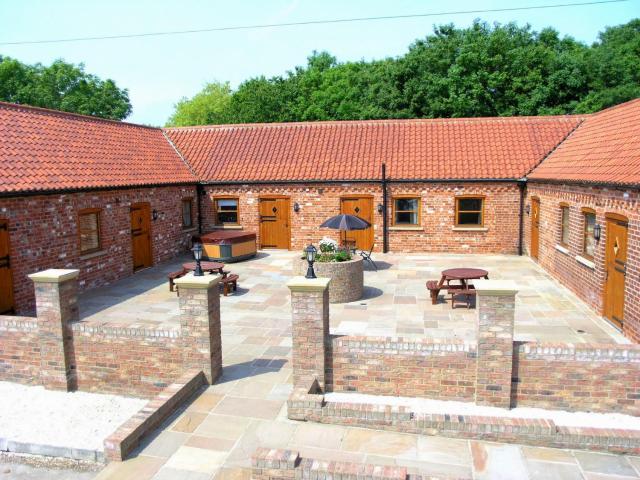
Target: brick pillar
(56, 307)
(496, 308)
(200, 324)
(310, 330)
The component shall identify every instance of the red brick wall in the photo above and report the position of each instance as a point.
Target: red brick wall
(435, 234)
(19, 350)
(602, 378)
(43, 234)
(588, 283)
(412, 368)
(126, 361)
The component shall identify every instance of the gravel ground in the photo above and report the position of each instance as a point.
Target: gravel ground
(560, 417)
(64, 419)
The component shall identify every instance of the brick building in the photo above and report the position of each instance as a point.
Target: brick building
(71, 186)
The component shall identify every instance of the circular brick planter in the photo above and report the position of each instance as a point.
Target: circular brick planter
(347, 278)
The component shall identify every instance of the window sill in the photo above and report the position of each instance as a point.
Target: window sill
(470, 229)
(562, 249)
(586, 262)
(89, 256)
(398, 228)
(189, 229)
(227, 227)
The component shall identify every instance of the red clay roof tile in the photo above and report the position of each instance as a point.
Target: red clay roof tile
(49, 150)
(479, 148)
(604, 149)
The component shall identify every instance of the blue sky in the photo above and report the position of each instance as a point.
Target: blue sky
(159, 70)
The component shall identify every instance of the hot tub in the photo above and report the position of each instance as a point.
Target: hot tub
(228, 246)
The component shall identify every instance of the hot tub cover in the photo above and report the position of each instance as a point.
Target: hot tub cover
(226, 237)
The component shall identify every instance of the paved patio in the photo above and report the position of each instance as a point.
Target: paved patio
(396, 302)
(216, 434)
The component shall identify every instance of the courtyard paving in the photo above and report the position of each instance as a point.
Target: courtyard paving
(215, 435)
(396, 302)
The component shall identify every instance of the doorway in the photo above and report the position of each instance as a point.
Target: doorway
(141, 235)
(361, 207)
(535, 227)
(6, 277)
(615, 268)
(275, 231)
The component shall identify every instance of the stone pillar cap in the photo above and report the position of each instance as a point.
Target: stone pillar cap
(191, 281)
(302, 284)
(54, 275)
(495, 287)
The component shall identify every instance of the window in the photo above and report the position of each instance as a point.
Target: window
(469, 211)
(406, 211)
(89, 230)
(589, 238)
(226, 211)
(187, 212)
(564, 225)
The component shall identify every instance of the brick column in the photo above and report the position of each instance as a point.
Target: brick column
(56, 307)
(200, 324)
(310, 330)
(496, 308)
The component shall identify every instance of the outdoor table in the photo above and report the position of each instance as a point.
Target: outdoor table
(210, 267)
(462, 274)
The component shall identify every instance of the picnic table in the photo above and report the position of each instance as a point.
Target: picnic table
(210, 267)
(463, 275)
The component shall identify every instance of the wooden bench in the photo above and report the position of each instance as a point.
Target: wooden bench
(228, 282)
(467, 292)
(434, 289)
(173, 275)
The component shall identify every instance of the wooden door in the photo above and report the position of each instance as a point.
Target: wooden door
(141, 235)
(535, 227)
(361, 207)
(616, 266)
(274, 223)
(6, 279)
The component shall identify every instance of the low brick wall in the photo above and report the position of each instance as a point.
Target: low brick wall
(127, 437)
(431, 368)
(126, 361)
(19, 349)
(276, 464)
(347, 278)
(309, 406)
(600, 378)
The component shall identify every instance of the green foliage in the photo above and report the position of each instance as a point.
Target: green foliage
(483, 70)
(338, 256)
(209, 106)
(62, 86)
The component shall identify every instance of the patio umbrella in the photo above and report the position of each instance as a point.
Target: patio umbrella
(345, 222)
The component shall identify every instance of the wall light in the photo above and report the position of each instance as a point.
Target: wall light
(597, 231)
(154, 215)
(380, 208)
(527, 209)
(296, 207)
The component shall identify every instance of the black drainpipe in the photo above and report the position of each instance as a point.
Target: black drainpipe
(385, 239)
(521, 185)
(199, 193)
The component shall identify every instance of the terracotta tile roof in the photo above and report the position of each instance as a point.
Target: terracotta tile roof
(50, 150)
(491, 148)
(605, 148)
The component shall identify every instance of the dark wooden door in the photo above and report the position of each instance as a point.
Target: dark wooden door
(361, 207)
(616, 267)
(141, 235)
(6, 279)
(274, 223)
(535, 227)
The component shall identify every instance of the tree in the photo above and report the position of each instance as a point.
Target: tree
(483, 70)
(209, 106)
(62, 86)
